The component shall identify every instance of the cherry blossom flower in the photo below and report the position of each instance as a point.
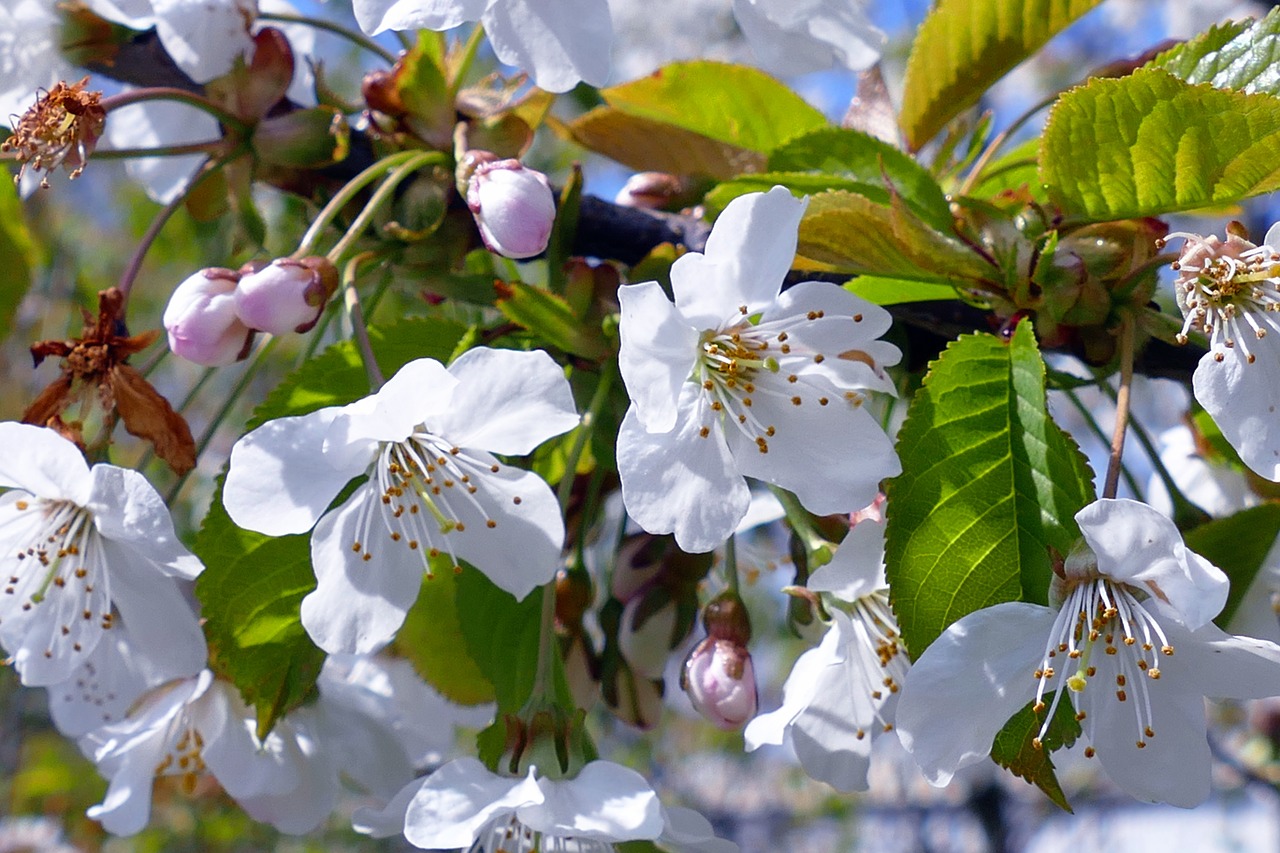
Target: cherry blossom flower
(738, 377)
(1130, 640)
(1230, 290)
(191, 726)
(797, 36)
(559, 42)
(426, 442)
(82, 550)
(841, 695)
(464, 805)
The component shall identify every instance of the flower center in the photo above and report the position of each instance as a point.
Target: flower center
(509, 835)
(877, 630)
(1103, 618)
(744, 367)
(427, 489)
(57, 582)
(184, 757)
(62, 127)
(1227, 295)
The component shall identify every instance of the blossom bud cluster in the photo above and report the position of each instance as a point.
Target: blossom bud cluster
(213, 315)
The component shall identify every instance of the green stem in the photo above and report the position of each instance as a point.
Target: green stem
(213, 146)
(352, 36)
(344, 197)
(383, 194)
(730, 567)
(1098, 433)
(221, 414)
(996, 144)
(802, 523)
(1122, 407)
(351, 302)
(168, 93)
(466, 59)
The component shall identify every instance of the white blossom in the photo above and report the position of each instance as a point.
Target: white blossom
(81, 550)
(426, 442)
(1130, 640)
(740, 378)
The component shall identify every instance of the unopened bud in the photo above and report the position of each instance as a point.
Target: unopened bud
(650, 190)
(286, 295)
(721, 682)
(201, 320)
(513, 207)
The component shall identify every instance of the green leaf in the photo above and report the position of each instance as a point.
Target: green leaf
(253, 584)
(989, 485)
(1150, 144)
(728, 103)
(895, 291)
(1240, 55)
(432, 639)
(501, 636)
(1237, 544)
(847, 232)
(1014, 749)
(872, 162)
(549, 317)
(964, 46)
(18, 252)
(646, 145)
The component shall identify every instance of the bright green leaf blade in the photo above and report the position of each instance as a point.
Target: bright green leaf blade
(990, 484)
(1241, 55)
(550, 317)
(850, 233)
(870, 162)
(17, 251)
(1149, 144)
(1014, 750)
(728, 103)
(501, 636)
(1237, 544)
(895, 291)
(253, 585)
(432, 639)
(964, 46)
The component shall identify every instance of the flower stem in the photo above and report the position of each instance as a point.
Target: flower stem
(466, 59)
(168, 93)
(730, 567)
(1092, 423)
(381, 196)
(802, 524)
(1122, 407)
(213, 146)
(352, 36)
(360, 332)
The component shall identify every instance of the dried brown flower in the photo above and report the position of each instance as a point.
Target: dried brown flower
(60, 129)
(95, 363)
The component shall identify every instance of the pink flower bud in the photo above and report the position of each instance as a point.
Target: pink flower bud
(513, 207)
(286, 295)
(721, 682)
(201, 319)
(650, 190)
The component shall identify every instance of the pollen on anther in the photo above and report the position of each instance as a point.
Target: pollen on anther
(367, 557)
(21, 504)
(704, 432)
(1090, 752)
(491, 524)
(795, 401)
(494, 468)
(819, 358)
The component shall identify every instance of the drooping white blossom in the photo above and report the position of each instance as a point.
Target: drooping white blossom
(559, 42)
(197, 725)
(1130, 640)
(841, 695)
(465, 805)
(81, 550)
(739, 378)
(426, 442)
(1230, 290)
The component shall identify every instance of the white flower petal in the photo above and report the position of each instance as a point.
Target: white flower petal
(799, 690)
(419, 392)
(39, 461)
(126, 808)
(1222, 666)
(1135, 544)
(279, 481)
(461, 798)
(605, 800)
(687, 830)
(389, 820)
(161, 624)
(358, 604)
(204, 38)
(1244, 398)
(658, 352)
(506, 401)
(680, 482)
(826, 483)
(857, 567)
(559, 42)
(968, 683)
(128, 511)
(160, 123)
(749, 252)
(375, 16)
(782, 52)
